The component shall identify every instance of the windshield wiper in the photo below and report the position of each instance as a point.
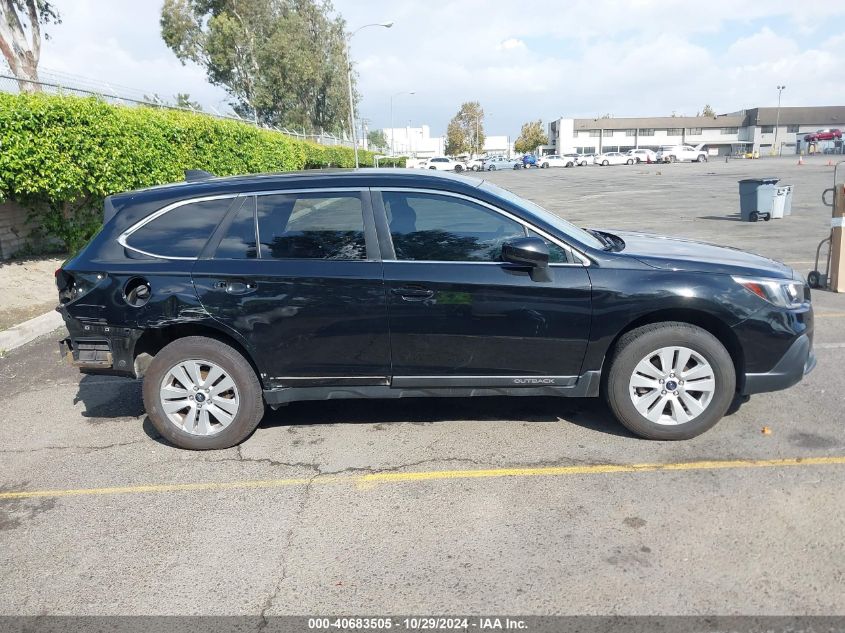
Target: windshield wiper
(608, 244)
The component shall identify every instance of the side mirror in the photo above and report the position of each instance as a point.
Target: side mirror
(526, 251)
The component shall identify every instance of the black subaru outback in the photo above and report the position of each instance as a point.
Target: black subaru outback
(229, 294)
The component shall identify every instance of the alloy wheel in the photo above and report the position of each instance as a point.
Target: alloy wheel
(199, 397)
(672, 385)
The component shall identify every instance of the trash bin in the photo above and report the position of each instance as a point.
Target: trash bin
(787, 205)
(756, 197)
(779, 202)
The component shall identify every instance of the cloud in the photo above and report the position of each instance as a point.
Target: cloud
(510, 44)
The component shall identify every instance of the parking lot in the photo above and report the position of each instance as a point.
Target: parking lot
(523, 506)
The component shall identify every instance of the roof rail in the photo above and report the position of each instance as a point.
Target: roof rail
(194, 175)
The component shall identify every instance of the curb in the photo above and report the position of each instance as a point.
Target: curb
(27, 331)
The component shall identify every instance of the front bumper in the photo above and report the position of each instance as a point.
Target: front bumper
(798, 361)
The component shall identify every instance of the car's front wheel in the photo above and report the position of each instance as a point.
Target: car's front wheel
(459, 168)
(670, 381)
(630, 161)
(202, 394)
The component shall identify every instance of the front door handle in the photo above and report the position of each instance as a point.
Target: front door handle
(413, 293)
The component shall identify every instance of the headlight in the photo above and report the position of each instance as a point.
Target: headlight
(785, 293)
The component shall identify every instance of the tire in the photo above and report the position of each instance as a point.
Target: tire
(605, 163)
(630, 161)
(570, 164)
(814, 279)
(459, 168)
(491, 168)
(247, 395)
(544, 166)
(716, 372)
(753, 216)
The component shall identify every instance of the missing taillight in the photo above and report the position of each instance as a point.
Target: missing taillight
(73, 286)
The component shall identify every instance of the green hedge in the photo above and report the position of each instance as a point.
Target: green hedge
(61, 155)
(392, 161)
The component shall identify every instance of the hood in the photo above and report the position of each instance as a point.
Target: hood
(677, 253)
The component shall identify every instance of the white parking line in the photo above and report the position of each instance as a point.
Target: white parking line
(829, 345)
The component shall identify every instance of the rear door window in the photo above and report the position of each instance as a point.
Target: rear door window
(181, 232)
(239, 241)
(311, 226)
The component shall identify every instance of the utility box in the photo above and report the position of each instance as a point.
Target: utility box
(756, 198)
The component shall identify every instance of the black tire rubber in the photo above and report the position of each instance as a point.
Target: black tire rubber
(638, 343)
(630, 161)
(605, 163)
(458, 169)
(814, 279)
(249, 391)
(753, 216)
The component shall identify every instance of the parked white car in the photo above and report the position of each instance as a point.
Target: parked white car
(444, 163)
(613, 158)
(500, 162)
(580, 159)
(679, 153)
(555, 160)
(475, 164)
(643, 155)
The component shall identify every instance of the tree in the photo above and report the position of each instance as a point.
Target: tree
(183, 100)
(465, 132)
(23, 53)
(530, 137)
(282, 61)
(377, 138)
(708, 111)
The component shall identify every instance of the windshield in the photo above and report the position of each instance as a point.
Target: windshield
(567, 228)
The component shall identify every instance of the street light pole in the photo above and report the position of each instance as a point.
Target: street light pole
(348, 39)
(392, 131)
(777, 118)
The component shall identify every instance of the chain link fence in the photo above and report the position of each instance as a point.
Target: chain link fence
(60, 83)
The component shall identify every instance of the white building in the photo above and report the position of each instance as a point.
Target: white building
(737, 132)
(417, 142)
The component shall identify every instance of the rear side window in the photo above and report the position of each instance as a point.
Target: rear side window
(311, 226)
(181, 232)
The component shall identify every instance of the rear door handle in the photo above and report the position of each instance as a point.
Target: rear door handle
(413, 293)
(236, 286)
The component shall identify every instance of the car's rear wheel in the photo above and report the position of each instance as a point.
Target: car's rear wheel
(202, 394)
(670, 381)
(604, 163)
(491, 168)
(630, 161)
(459, 168)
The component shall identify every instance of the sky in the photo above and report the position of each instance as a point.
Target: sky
(523, 61)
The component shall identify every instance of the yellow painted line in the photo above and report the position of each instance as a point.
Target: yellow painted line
(551, 471)
(829, 315)
(369, 480)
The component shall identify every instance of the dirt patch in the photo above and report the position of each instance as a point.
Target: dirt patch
(27, 289)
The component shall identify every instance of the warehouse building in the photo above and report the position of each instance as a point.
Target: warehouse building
(763, 130)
